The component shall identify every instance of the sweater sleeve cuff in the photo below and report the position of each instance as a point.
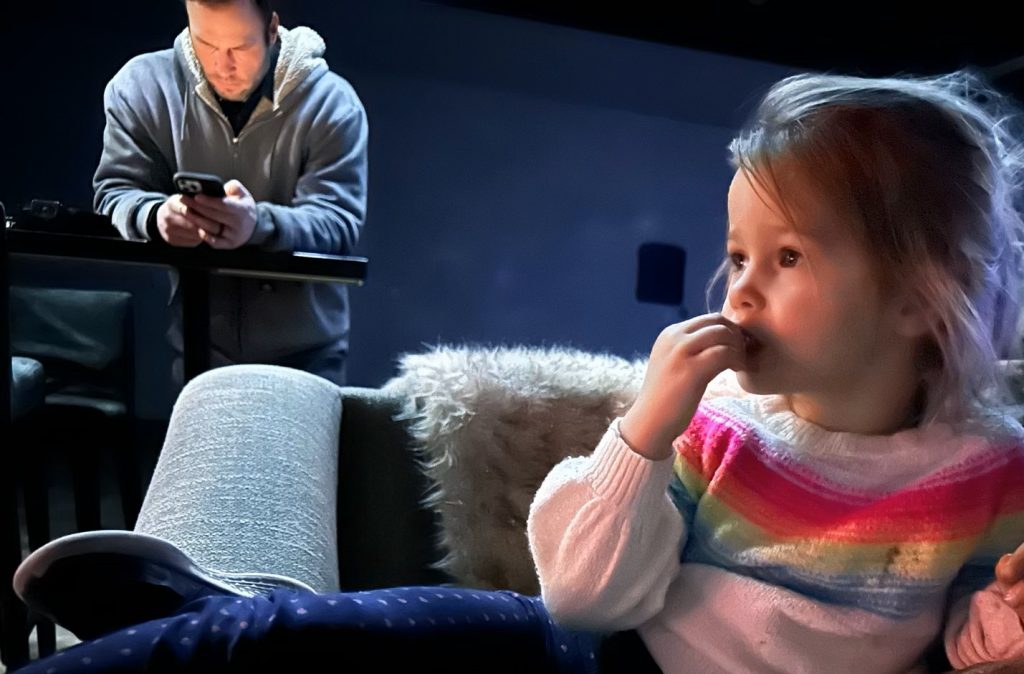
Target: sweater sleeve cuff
(619, 474)
(148, 229)
(264, 230)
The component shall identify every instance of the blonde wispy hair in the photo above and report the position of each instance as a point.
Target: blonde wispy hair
(929, 172)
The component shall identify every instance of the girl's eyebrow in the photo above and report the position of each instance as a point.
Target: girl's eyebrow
(780, 228)
(815, 232)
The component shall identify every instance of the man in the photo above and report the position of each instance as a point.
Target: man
(243, 98)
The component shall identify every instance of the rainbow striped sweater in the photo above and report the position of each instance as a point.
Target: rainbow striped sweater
(768, 544)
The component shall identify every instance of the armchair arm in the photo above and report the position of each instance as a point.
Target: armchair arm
(247, 475)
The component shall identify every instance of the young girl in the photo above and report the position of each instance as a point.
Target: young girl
(816, 479)
(853, 493)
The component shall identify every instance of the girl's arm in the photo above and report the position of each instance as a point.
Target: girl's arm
(605, 536)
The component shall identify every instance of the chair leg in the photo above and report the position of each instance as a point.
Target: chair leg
(46, 636)
(37, 521)
(126, 464)
(13, 613)
(36, 491)
(85, 454)
(86, 478)
(14, 621)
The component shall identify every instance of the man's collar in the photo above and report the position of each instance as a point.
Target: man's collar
(266, 88)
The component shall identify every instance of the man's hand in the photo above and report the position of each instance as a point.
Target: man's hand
(1010, 579)
(685, 358)
(225, 223)
(174, 224)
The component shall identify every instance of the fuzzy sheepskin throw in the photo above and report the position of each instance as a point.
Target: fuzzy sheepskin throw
(489, 424)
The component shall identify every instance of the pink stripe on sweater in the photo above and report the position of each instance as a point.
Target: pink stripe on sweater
(761, 489)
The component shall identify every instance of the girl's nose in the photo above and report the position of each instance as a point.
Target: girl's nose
(744, 293)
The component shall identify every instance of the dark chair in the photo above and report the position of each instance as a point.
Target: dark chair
(27, 395)
(82, 385)
(84, 339)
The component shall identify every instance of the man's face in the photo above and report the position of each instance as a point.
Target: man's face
(232, 44)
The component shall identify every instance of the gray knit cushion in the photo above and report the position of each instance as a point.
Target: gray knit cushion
(247, 478)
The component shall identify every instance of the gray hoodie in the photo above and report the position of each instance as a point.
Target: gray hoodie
(303, 158)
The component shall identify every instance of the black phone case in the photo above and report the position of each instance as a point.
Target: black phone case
(198, 183)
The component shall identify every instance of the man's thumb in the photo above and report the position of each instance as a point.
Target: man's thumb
(234, 188)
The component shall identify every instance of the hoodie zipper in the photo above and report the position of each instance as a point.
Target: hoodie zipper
(274, 112)
(238, 283)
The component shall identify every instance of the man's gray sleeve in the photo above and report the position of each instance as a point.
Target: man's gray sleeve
(327, 212)
(131, 169)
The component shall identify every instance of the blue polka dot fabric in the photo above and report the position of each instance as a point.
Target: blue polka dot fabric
(402, 629)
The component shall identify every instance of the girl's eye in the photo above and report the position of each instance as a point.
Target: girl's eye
(788, 257)
(737, 261)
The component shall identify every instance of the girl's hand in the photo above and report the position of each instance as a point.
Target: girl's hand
(1010, 579)
(685, 358)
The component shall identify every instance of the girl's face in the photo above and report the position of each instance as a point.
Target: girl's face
(820, 329)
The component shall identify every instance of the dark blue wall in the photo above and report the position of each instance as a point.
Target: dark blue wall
(515, 166)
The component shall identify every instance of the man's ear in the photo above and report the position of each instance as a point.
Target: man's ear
(272, 29)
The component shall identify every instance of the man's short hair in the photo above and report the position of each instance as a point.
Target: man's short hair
(264, 7)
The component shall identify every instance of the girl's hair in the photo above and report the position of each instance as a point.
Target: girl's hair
(928, 171)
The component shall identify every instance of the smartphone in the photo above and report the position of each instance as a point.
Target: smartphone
(191, 183)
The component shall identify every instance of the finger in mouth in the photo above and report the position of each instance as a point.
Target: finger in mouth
(751, 343)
